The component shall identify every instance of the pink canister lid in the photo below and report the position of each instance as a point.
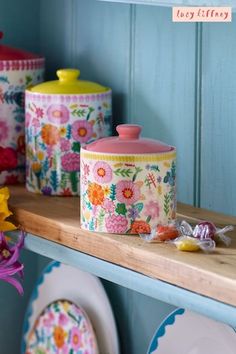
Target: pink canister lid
(10, 53)
(128, 142)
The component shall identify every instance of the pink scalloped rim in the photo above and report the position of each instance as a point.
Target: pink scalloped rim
(29, 64)
(67, 98)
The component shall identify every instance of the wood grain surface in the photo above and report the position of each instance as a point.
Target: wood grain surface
(57, 219)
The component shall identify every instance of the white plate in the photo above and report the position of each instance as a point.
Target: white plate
(60, 281)
(184, 332)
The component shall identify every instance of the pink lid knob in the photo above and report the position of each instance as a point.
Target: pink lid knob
(128, 131)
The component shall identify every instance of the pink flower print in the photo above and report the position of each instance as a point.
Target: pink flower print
(127, 192)
(116, 224)
(70, 162)
(35, 123)
(75, 339)
(108, 206)
(4, 131)
(86, 169)
(63, 319)
(82, 131)
(102, 172)
(27, 119)
(94, 210)
(58, 114)
(39, 112)
(152, 209)
(65, 144)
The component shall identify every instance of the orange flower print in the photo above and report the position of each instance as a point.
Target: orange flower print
(59, 336)
(95, 194)
(50, 134)
(140, 227)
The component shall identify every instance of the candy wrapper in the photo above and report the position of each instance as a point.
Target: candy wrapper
(206, 230)
(192, 244)
(162, 233)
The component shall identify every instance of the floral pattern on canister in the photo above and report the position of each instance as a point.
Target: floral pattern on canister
(62, 328)
(15, 77)
(56, 127)
(127, 194)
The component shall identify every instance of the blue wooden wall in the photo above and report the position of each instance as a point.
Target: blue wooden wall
(177, 79)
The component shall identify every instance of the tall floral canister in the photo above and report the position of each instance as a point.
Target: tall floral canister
(127, 183)
(61, 116)
(18, 69)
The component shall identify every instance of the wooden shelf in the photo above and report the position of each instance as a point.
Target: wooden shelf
(57, 219)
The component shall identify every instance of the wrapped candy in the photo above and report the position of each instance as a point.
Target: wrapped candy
(206, 230)
(162, 233)
(192, 244)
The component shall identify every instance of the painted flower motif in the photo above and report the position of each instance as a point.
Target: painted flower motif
(116, 224)
(152, 209)
(108, 205)
(140, 227)
(133, 213)
(75, 338)
(8, 159)
(65, 144)
(50, 134)
(82, 131)
(95, 194)
(39, 112)
(63, 319)
(70, 162)
(4, 131)
(127, 192)
(63, 131)
(66, 192)
(58, 114)
(59, 337)
(102, 172)
(35, 123)
(27, 119)
(46, 190)
(86, 169)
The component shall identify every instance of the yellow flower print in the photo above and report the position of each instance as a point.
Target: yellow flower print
(4, 211)
(106, 190)
(36, 167)
(166, 164)
(40, 155)
(62, 131)
(159, 189)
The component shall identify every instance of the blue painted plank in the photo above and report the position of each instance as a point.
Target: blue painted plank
(218, 143)
(101, 48)
(163, 86)
(20, 23)
(148, 286)
(178, 2)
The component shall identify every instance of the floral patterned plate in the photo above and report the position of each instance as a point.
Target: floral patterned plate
(60, 281)
(62, 327)
(185, 332)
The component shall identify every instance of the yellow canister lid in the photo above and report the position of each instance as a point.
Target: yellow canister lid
(68, 83)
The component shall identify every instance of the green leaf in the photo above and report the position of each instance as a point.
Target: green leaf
(76, 146)
(121, 209)
(139, 206)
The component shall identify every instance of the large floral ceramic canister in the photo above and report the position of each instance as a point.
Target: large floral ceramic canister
(62, 116)
(127, 183)
(18, 69)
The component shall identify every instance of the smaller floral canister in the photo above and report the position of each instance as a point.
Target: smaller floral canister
(62, 116)
(127, 183)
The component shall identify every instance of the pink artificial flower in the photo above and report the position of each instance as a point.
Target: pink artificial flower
(82, 131)
(9, 264)
(116, 224)
(102, 172)
(4, 131)
(152, 209)
(58, 114)
(65, 144)
(127, 192)
(108, 206)
(70, 162)
(75, 339)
